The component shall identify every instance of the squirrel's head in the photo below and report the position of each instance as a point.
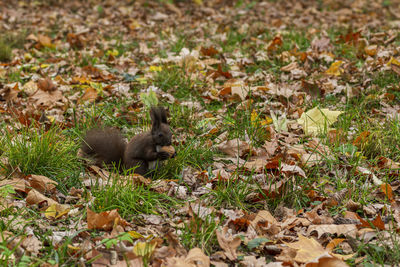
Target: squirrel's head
(160, 130)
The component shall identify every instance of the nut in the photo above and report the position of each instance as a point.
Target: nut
(169, 149)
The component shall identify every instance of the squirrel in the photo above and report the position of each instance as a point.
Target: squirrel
(107, 146)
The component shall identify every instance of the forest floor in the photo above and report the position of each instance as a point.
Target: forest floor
(285, 120)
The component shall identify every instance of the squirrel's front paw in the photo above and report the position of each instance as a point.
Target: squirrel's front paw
(163, 155)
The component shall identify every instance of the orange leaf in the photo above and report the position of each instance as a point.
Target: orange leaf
(378, 223)
(105, 220)
(334, 243)
(277, 41)
(90, 95)
(45, 41)
(361, 139)
(387, 190)
(46, 85)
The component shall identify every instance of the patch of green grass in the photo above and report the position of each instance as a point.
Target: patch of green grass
(295, 38)
(8, 41)
(193, 153)
(5, 51)
(199, 232)
(383, 140)
(175, 80)
(233, 41)
(385, 78)
(131, 200)
(232, 193)
(47, 153)
(383, 251)
(245, 124)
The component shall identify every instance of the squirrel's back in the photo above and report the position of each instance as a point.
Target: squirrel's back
(105, 145)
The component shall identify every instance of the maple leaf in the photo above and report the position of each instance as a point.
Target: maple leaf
(318, 120)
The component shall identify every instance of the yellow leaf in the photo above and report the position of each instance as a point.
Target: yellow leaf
(371, 50)
(51, 211)
(27, 56)
(55, 211)
(266, 121)
(113, 52)
(142, 80)
(198, 2)
(155, 68)
(144, 249)
(307, 249)
(318, 120)
(253, 117)
(334, 69)
(73, 247)
(135, 235)
(393, 61)
(43, 66)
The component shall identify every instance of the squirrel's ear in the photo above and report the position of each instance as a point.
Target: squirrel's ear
(155, 118)
(163, 115)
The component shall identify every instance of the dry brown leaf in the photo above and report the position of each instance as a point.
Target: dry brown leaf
(371, 50)
(387, 190)
(326, 260)
(195, 258)
(42, 183)
(17, 183)
(322, 44)
(45, 41)
(337, 229)
(89, 95)
(256, 165)
(308, 249)
(263, 216)
(46, 85)
(290, 66)
(228, 243)
(292, 169)
(11, 93)
(47, 99)
(31, 244)
(386, 163)
(234, 147)
(35, 197)
(104, 220)
(30, 87)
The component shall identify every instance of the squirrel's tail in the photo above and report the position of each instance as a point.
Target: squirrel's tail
(106, 146)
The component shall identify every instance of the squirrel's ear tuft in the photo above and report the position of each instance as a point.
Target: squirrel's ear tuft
(155, 117)
(163, 115)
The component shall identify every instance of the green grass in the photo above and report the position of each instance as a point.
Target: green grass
(198, 232)
(130, 199)
(175, 79)
(48, 153)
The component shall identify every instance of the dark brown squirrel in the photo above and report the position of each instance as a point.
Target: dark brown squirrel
(143, 151)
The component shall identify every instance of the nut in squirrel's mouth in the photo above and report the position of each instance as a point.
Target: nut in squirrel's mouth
(169, 149)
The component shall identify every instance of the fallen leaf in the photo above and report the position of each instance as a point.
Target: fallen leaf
(195, 258)
(335, 69)
(308, 249)
(318, 120)
(45, 41)
(228, 243)
(333, 229)
(371, 50)
(42, 183)
(89, 95)
(104, 220)
(46, 85)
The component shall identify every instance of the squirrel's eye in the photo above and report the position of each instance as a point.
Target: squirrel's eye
(160, 135)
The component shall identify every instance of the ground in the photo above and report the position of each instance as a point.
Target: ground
(285, 120)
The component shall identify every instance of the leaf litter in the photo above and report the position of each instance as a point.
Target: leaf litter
(43, 82)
